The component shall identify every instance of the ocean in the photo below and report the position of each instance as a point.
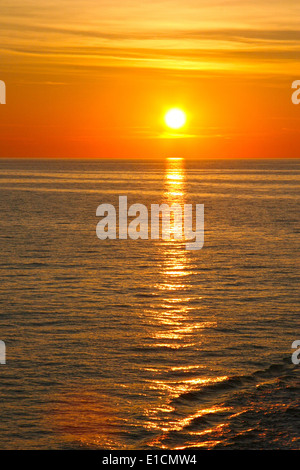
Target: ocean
(142, 344)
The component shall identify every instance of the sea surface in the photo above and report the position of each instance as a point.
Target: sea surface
(142, 344)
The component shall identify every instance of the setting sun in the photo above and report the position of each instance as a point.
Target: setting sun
(175, 118)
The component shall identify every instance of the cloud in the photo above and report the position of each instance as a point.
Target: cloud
(146, 44)
(221, 34)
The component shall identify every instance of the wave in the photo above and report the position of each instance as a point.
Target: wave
(238, 381)
(256, 411)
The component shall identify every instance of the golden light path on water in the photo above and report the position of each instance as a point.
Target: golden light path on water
(179, 329)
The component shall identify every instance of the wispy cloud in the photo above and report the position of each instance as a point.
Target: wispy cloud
(212, 35)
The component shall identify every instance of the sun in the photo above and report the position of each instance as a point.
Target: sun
(175, 118)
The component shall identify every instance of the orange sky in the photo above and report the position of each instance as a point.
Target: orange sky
(93, 78)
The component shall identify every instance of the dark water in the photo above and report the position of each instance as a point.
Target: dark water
(126, 344)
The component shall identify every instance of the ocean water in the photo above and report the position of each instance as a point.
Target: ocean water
(122, 344)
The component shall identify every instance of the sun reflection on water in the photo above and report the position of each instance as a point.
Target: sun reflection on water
(177, 329)
(176, 269)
